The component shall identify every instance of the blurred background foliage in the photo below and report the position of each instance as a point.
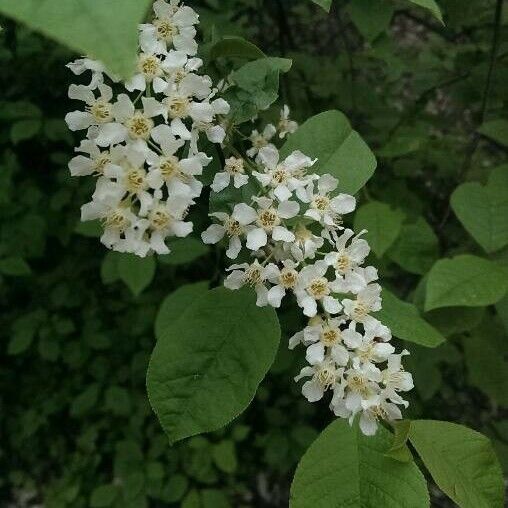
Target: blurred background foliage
(77, 322)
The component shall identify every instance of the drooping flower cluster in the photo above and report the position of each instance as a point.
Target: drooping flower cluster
(291, 228)
(142, 144)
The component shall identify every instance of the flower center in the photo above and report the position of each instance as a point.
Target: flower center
(358, 384)
(135, 180)
(234, 166)
(169, 166)
(361, 309)
(330, 336)
(232, 227)
(178, 107)
(326, 376)
(321, 203)
(101, 161)
(117, 219)
(159, 218)
(253, 275)
(280, 175)
(259, 141)
(343, 263)
(149, 65)
(288, 277)
(268, 219)
(302, 234)
(102, 111)
(318, 288)
(139, 126)
(165, 29)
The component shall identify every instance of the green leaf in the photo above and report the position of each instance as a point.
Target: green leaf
(207, 365)
(256, 87)
(461, 461)
(224, 456)
(383, 225)
(464, 281)
(85, 401)
(107, 31)
(454, 320)
(136, 272)
(405, 322)
(339, 149)
(325, 4)
(23, 332)
(486, 354)
(90, 229)
(371, 17)
(184, 251)
(432, 6)
(416, 248)
(497, 130)
(235, 47)
(176, 303)
(103, 495)
(214, 498)
(483, 210)
(399, 450)
(25, 129)
(14, 266)
(343, 468)
(109, 267)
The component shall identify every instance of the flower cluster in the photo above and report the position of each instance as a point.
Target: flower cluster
(291, 235)
(142, 144)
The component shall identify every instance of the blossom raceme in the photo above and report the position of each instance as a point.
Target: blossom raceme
(142, 136)
(287, 227)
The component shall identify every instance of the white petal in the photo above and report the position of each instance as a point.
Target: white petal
(315, 353)
(256, 239)
(244, 214)
(220, 181)
(312, 391)
(275, 296)
(215, 233)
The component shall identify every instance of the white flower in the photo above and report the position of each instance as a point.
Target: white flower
(117, 219)
(374, 409)
(166, 218)
(306, 243)
(286, 126)
(129, 124)
(313, 286)
(371, 351)
(95, 163)
(259, 140)
(325, 209)
(328, 336)
(324, 376)
(172, 27)
(286, 177)
(368, 300)
(347, 257)
(285, 278)
(232, 226)
(395, 379)
(270, 222)
(254, 275)
(99, 110)
(233, 169)
(167, 169)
